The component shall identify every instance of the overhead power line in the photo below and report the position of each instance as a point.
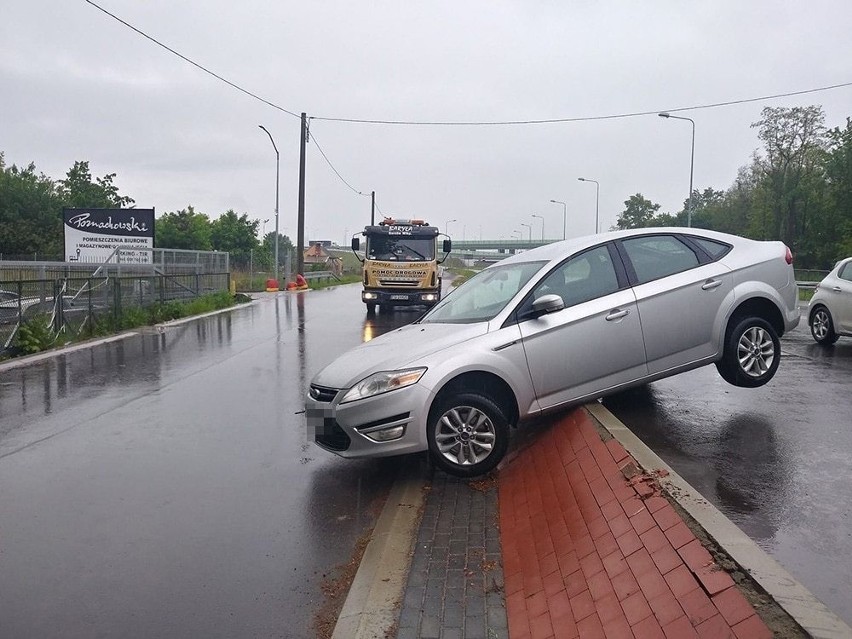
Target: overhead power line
(192, 62)
(614, 116)
(336, 172)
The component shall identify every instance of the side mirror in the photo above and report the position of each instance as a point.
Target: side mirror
(356, 244)
(448, 246)
(547, 304)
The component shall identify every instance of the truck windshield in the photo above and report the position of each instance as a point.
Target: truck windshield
(401, 248)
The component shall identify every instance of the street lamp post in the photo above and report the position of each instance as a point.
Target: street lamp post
(529, 227)
(520, 235)
(447, 226)
(564, 215)
(597, 199)
(691, 161)
(542, 225)
(263, 230)
(277, 163)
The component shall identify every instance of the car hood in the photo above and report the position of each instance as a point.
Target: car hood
(398, 349)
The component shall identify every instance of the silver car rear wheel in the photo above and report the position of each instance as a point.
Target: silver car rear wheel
(468, 435)
(752, 353)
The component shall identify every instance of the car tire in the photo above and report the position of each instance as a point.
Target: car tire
(468, 434)
(822, 326)
(752, 353)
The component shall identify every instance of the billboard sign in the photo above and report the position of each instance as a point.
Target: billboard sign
(92, 235)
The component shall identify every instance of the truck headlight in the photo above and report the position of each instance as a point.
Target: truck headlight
(382, 382)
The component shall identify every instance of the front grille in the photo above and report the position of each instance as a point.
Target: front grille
(400, 283)
(322, 393)
(330, 435)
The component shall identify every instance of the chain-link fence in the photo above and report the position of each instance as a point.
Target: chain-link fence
(74, 306)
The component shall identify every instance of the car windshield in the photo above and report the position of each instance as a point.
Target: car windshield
(484, 295)
(406, 248)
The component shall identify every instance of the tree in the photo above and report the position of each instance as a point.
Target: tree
(30, 213)
(837, 233)
(184, 229)
(235, 234)
(638, 213)
(793, 139)
(79, 191)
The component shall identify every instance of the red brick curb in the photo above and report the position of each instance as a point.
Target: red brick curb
(591, 549)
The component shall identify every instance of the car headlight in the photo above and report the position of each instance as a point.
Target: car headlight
(383, 382)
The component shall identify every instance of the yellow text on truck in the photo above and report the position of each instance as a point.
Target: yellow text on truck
(400, 263)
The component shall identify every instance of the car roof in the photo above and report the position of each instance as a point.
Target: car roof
(563, 248)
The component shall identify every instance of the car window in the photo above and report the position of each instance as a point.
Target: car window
(582, 278)
(845, 273)
(714, 249)
(657, 256)
(484, 295)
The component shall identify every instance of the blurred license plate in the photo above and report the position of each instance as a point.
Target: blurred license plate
(399, 297)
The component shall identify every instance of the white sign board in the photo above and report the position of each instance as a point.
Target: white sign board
(92, 235)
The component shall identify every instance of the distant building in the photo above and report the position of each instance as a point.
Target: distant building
(316, 256)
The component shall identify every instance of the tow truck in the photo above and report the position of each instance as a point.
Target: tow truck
(400, 263)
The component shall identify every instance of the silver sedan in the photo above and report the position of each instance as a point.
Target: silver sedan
(553, 327)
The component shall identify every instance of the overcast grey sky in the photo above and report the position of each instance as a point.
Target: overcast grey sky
(78, 85)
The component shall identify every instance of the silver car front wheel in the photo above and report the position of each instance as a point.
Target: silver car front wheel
(468, 435)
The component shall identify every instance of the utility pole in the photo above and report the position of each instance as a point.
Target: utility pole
(373, 211)
(300, 246)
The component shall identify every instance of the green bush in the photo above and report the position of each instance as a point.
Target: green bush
(33, 336)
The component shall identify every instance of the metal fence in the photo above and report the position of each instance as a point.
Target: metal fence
(74, 306)
(120, 262)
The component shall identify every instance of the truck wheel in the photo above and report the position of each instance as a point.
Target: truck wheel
(371, 309)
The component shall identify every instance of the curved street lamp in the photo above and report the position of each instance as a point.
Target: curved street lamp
(597, 199)
(529, 227)
(542, 225)
(277, 161)
(691, 159)
(447, 226)
(564, 214)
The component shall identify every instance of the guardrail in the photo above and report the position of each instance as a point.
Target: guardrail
(320, 276)
(807, 284)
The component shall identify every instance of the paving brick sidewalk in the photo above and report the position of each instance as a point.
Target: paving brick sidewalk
(588, 548)
(589, 553)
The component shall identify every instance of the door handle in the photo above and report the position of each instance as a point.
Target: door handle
(615, 315)
(709, 285)
(837, 289)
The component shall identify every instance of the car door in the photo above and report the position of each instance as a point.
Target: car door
(842, 286)
(595, 342)
(680, 292)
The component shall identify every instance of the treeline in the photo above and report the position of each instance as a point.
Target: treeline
(31, 206)
(797, 188)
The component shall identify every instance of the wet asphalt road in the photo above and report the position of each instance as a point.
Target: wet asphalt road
(162, 485)
(776, 460)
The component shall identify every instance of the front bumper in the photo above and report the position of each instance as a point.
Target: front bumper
(352, 429)
(413, 297)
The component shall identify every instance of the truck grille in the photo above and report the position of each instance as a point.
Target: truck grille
(399, 283)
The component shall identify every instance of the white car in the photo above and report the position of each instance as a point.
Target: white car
(552, 327)
(830, 309)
